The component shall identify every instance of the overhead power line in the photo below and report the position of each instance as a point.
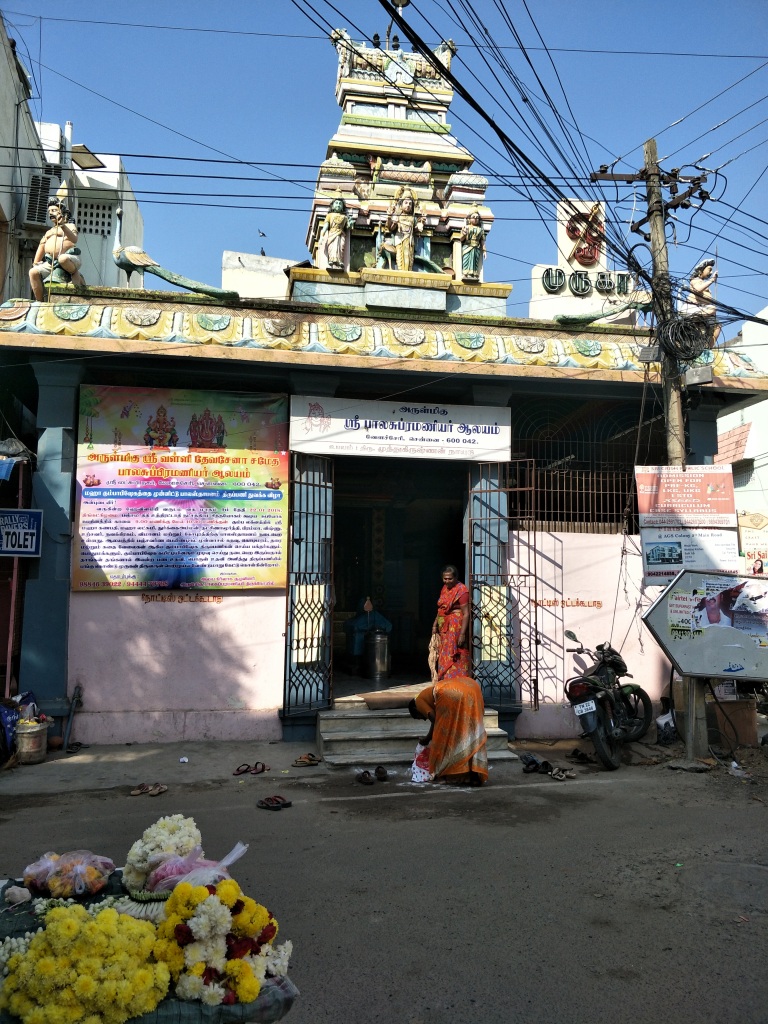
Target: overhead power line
(467, 44)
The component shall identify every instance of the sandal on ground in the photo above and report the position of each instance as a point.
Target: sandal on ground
(157, 789)
(141, 789)
(381, 773)
(260, 767)
(366, 778)
(282, 801)
(545, 768)
(270, 803)
(306, 761)
(242, 770)
(558, 775)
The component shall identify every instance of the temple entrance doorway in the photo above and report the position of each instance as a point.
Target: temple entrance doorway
(397, 522)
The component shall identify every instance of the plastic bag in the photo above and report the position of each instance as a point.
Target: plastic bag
(79, 873)
(36, 874)
(165, 872)
(666, 733)
(420, 767)
(211, 875)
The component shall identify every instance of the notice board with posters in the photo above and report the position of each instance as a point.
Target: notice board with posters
(180, 489)
(687, 520)
(713, 624)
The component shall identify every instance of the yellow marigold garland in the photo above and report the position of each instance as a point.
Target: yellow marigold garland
(86, 970)
(216, 941)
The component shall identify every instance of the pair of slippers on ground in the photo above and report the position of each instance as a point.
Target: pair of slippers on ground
(380, 773)
(149, 789)
(274, 803)
(252, 769)
(533, 764)
(307, 761)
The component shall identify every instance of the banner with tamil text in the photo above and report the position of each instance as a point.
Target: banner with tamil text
(180, 489)
(400, 429)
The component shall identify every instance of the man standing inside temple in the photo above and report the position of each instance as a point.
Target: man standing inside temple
(57, 248)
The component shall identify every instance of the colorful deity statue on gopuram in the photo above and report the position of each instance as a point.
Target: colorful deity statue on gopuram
(161, 431)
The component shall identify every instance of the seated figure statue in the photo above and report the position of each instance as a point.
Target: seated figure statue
(57, 250)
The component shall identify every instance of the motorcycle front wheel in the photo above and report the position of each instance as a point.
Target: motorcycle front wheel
(639, 711)
(607, 747)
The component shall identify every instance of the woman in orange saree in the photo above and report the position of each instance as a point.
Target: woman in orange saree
(451, 625)
(456, 738)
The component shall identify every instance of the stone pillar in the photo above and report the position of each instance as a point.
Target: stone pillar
(46, 603)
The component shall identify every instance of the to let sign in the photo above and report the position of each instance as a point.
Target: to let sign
(20, 532)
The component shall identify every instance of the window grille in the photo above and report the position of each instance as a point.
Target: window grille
(743, 472)
(95, 218)
(585, 453)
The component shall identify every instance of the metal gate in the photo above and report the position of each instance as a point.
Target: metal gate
(310, 586)
(502, 579)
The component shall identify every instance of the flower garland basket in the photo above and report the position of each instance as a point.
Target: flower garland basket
(274, 1001)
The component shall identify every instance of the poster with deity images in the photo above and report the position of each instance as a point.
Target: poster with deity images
(180, 489)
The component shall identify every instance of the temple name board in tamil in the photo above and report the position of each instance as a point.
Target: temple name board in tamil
(400, 429)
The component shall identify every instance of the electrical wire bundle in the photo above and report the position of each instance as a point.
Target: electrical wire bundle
(685, 338)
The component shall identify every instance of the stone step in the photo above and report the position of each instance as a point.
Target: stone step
(351, 734)
(389, 719)
(373, 756)
(332, 740)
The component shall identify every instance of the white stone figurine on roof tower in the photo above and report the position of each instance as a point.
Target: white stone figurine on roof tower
(333, 236)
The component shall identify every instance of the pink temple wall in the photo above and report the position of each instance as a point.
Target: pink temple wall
(189, 668)
(161, 671)
(586, 586)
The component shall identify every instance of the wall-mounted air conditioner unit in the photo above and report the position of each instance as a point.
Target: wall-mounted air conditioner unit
(42, 187)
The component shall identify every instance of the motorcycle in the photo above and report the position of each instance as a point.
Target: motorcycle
(609, 712)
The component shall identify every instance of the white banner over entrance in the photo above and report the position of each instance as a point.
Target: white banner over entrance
(400, 429)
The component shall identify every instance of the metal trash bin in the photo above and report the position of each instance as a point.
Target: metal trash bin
(377, 658)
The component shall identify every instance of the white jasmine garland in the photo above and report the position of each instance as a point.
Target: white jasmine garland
(277, 958)
(210, 918)
(258, 965)
(190, 987)
(169, 836)
(213, 994)
(212, 952)
(10, 947)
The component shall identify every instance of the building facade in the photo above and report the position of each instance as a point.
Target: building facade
(223, 481)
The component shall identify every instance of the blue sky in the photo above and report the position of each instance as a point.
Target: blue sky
(254, 81)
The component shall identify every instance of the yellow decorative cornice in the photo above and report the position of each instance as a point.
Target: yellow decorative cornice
(170, 325)
(406, 278)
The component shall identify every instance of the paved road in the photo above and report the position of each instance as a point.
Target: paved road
(635, 896)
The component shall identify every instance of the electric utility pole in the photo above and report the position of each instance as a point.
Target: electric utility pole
(664, 309)
(663, 306)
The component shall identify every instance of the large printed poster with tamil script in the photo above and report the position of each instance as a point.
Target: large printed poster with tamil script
(180, 489)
